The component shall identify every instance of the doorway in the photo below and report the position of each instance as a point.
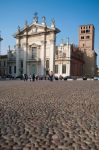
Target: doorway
(34, 69)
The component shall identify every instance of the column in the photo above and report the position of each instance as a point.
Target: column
(60, 68)
(17, 59)
(25, 47)
(24, 58)
(52, 54)
(43, 58)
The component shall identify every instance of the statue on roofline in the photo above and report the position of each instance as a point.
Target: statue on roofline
(26, 23)
(35, 17)
(18, 28)
(53, 23)
(43, 20)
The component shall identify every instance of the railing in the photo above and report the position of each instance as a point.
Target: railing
(33, 59)
(11, 59)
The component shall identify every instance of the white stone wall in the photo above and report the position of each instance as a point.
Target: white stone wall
(43, 38)
(65, 48)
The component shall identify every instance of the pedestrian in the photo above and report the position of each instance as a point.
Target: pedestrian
(36, 77)
(51, 76)
(25, 77)
(33, 77)
(30, 77)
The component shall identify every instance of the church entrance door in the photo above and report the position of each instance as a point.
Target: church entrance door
(34, 69)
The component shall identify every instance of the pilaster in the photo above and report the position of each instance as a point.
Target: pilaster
(43, 59)
(52, 54)
(18, 58)
(25, 47)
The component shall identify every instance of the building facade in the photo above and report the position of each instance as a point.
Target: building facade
(8, 64)
(68, 61)
(3, 65)
(35, 48)
(11, 62)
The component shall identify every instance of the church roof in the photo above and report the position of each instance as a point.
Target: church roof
(44, 29)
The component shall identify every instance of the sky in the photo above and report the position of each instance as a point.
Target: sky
(68, 15)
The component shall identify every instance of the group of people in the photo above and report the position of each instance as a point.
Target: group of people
(33, 77)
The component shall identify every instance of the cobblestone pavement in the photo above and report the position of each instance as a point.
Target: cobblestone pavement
(44, 115)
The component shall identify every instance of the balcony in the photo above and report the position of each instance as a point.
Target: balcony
(12, 59)
(35, 59)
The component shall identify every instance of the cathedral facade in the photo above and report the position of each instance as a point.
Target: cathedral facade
(35, 48)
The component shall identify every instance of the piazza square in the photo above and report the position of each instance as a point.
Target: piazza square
(45, 115)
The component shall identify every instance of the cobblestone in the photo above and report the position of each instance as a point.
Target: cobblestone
(48, 115)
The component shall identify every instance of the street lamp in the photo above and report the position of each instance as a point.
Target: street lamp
(0, 41)
(0, 37)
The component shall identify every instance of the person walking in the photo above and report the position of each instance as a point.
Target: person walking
(30, 77)
(33, 77)
(51, 76)
(25, 77)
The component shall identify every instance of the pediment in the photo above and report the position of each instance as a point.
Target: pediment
(35, 28)
(38, 28)
(34, 45)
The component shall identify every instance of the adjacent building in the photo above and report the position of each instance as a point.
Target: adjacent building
(68, 60)
(3, 65)
(78, 60)
(11, 62)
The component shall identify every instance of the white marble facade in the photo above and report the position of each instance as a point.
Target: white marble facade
(35, 45)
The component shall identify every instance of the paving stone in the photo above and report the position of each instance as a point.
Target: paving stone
(52, 116)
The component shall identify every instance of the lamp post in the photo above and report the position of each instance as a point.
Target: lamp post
(0, 41)
(61, 57)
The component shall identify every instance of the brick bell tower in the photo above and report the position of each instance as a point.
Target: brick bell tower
(86, 37)
(86, 44)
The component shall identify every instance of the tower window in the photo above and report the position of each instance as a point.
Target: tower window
(87, 31)
(87, 37)
(83, 45)
(82, 31)
(82, 37)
